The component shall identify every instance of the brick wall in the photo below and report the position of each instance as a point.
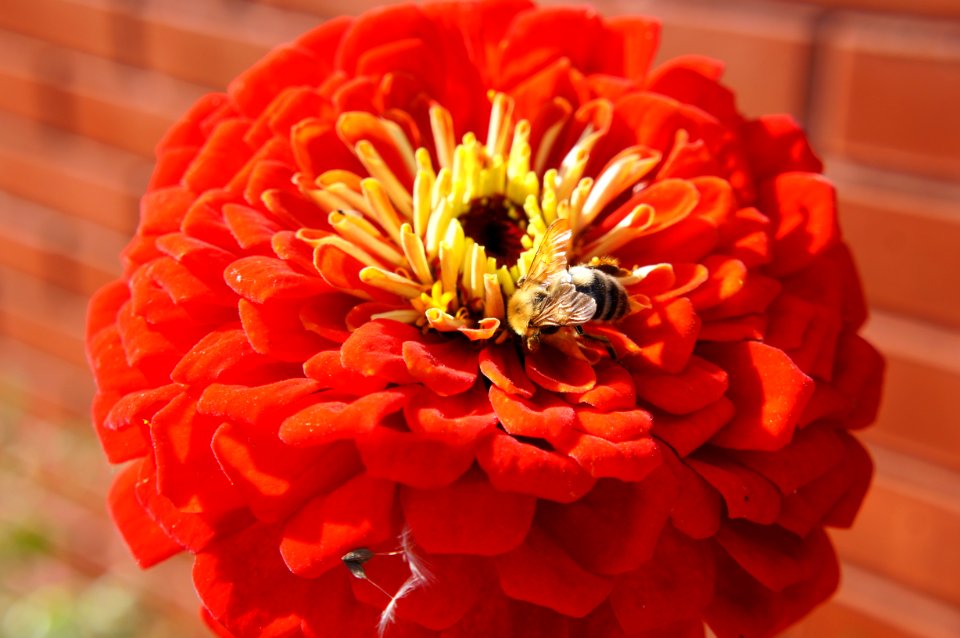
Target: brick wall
(87, 86)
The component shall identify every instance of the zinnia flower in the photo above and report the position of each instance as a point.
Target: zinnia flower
(308, 376)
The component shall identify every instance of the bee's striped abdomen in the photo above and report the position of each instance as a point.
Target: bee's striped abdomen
(604, 289)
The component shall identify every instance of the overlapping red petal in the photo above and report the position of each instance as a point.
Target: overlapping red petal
(669, 469)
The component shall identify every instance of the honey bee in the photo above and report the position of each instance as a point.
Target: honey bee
(553, 295)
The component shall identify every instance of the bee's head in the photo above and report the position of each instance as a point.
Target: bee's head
(522, 307)
(520, 311)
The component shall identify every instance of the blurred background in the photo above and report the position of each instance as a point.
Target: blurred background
(88, 86)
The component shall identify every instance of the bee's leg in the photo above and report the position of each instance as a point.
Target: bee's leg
(604, 340)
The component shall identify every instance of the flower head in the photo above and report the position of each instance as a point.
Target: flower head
(313, 374)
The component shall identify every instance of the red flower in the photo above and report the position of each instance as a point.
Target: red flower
(307, 371)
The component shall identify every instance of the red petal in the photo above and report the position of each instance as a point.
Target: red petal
(192, 531)
(205, 260)
(219, 159)
(331, 419)
(468, 415)
(744, 607)
(627, 461)
(415, 458)
(833, 498)
(109, 363)
(223, 353)
(540, 572)
(727, 277)
(747, 494)
(687, 433)
(260, 279)
(616, 427)
(698, 385)
(555, 371)
(698, 509)
(614, 390)
(148, 542)
(376, 349)
(754, 297)
(162, 210)
(286, 66)
(501, 365)
(187, 472)
(356, 514)
(675, 586)
(614, 528)
(275, 329)
(259, 406)
(326, 315)
(104, 304)
(769, 391)
(253, 229)
(546, 417)
(802, 207)
(687, 82)
(275, 479)
(447, 368)
(777, 144)
(119, 445)
(810, 454)
(639, 38)
(513, 466)
(244, 584)
(467, 517)
(774, 556)
(666, 334)
(138, 408)
(326, 369)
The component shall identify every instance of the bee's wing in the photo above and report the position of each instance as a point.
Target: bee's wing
(565, 307)
(550, 259)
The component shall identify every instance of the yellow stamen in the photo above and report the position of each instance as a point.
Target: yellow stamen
(628, 229)
(382, 211)
(354, 199)
(391, 282)
(492, 297)
(353, 227)
(501, 117)
(379, 170)
(403, 316)
(443, 322)
(441, 124)
(338, 242)
(416, 254)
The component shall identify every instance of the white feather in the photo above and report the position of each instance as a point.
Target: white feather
(419, 577)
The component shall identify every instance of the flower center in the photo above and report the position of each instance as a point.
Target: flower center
(453, 247)
(498, 225)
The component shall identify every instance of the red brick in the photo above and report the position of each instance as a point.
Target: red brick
(46, 317)
(945, 8)
(766, 47)
(869, 606)
(205, 42)
(908, 527)
(905, 234)
(918, 415)
(73, 174)
(888, 92)
(326, 8)
(42, 385)
(66, 251)
(121, 105)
